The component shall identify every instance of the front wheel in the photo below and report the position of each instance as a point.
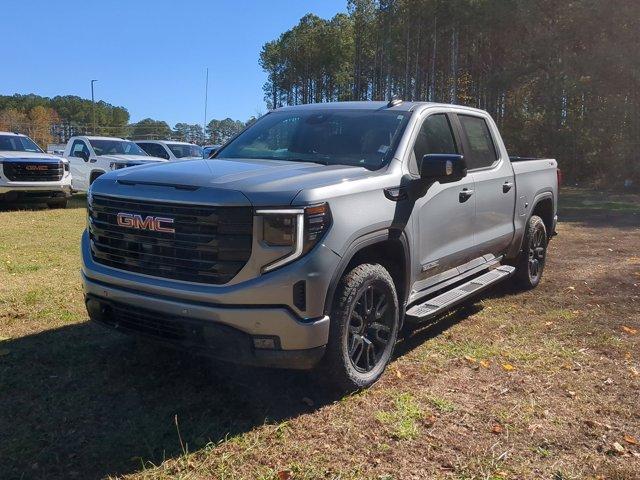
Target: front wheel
(364, 328)
(530, 263)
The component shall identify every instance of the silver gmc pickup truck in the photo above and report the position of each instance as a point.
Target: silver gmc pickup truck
(313, 235)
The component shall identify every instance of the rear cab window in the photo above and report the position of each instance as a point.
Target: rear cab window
(480, 149)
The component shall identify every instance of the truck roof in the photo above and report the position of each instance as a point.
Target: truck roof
(13, 133)
(371, 105)
(142, 140)
(92, 137)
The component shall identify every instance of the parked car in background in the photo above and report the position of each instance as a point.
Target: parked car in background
(170, 150)
(29, 174)
(91, 157)
(209, 150)
(316, 232)
(56, 149)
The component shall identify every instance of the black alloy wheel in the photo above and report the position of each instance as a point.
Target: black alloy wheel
(370, 326)
(537, 254)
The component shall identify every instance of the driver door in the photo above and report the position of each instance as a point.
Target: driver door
(445, 213)
(79, 157)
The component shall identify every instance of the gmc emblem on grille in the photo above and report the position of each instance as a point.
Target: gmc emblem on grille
(156, 224)
(40, 168)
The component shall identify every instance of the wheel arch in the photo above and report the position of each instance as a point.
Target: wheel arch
(543, 207)
(390, 249)
(95, 174)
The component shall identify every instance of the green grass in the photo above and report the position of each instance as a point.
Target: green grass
(442, 404)
(77, 401)
(402, 419)
(577, 199)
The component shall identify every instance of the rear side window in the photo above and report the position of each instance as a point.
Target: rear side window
(79, 146)
(154, 149)
(435, 136)
(482, 150)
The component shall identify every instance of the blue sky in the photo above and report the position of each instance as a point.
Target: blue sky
(148, 56)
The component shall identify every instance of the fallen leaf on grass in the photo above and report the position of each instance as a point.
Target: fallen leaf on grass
(429, 421)
(631, 440)
(508, 367)
(284, 475)
(484, 363)
(629, 330)
(470, 359)
(497, 428)
(618, 448)
(398, 374)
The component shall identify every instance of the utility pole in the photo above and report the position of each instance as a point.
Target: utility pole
(93, 108)
(206, 94)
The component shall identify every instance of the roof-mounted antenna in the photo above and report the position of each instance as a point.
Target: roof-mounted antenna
(394, 102)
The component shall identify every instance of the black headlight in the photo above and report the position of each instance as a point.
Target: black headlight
(300, 229)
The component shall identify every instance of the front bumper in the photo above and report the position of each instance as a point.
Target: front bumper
(12, 191)
(229, 322)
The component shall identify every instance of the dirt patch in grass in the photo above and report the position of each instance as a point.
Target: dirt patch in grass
(543, 384)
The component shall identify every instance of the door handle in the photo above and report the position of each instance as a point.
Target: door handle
(506, 186)
(465, 195)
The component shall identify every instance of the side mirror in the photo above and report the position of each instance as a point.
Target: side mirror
(443, 168)
(81, 154)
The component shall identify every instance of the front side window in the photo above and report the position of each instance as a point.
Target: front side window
(435, 136)
(482, 149)
(17, 143)
(183, 151)
(116, 147)
(366, 138)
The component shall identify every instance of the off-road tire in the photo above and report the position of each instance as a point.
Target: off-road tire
(62, 203)
(534, 248)
(337, 365)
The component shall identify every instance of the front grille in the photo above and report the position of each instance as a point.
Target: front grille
(25, 171)
(209, 245)
(144, 321)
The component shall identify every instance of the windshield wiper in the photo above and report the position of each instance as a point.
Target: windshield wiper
(318, 161)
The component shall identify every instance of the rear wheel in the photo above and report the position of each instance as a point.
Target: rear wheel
(531, 261)
(364, 327)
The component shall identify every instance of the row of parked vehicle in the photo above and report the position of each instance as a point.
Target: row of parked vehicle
(28, 174)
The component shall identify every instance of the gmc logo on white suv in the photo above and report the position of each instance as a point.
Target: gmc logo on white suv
(156, 224)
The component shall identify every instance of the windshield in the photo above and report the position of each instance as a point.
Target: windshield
(116, 147)
(181, 151)
(17, 143)
(333, 137)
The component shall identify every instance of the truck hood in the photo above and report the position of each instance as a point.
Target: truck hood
(263, 182)
(31, 156)
(131, 158)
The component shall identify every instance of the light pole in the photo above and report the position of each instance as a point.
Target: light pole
(93, 108)
(206, 94)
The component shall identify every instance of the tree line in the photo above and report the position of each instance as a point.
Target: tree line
(561, 79)
(55, 120)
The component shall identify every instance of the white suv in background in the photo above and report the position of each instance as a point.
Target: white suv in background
(91, 157)
(170, 150)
